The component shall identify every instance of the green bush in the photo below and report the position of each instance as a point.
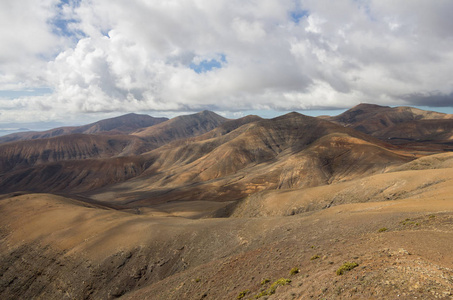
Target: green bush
(346, 267)
(383, 229)
(294, 271)
(316, 256)
(271, 290)
(242, 294)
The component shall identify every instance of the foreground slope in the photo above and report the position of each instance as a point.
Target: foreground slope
(430, 176)
(54, 247)
(294, 193)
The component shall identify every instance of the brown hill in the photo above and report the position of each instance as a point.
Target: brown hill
(370, 118)
(398, 124)
(399, 235)
(72, 176)
(253, 209)
(421, 130)
(229, 126)
(22, 162)
(180, 127)
(22, 156)
(286, 152)
(25, 154)
(403, 182)
(119, 125)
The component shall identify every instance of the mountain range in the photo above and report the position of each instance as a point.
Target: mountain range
(204, 207)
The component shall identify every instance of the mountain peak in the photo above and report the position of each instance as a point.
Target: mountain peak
(181, 127)
(210, 114)
(367, 106)
(123, 124)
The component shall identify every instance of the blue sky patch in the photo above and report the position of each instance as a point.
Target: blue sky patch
(12, 94)
(61, 26)
(297, 15)
(207, 65)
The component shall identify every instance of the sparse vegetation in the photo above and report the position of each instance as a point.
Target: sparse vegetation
(407, 221)
(242, 294)
(316, 256)
(271, 290)
(294, 271)
(132, 229)
(346, 267)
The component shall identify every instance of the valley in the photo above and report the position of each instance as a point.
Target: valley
(204, 207)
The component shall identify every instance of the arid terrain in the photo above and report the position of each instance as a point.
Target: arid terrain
(355, 206)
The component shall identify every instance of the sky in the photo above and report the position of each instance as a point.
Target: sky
(76, 61)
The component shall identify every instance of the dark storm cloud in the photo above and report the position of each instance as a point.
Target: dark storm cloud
(433, 99)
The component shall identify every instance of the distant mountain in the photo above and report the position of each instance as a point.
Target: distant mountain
(25, 154)
(181, 127)
(205, 156)
(291, 151)
(397, 123)
(229, 126)
(202, 207)
(72, 175)
(59, 152)
(119, 125)
(420, 130)
(285, 152)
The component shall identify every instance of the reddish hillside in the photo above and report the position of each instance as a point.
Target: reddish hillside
(293, 207)
(286, 152)
(181, 127)
(398, 124)
(119, 125)
(24, 154)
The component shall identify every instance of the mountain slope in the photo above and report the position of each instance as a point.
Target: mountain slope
(426, 177)
(180, 127)
(397, 124)
(286, 152)
(427, 130)
(25, 154)
(370, 118)
(22, 156)
(119, 125)
(253, 208)
(72, 176)
(54, 247)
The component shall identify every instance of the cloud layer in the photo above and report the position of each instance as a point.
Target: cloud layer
(116, 56)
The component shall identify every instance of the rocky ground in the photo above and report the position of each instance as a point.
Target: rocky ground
(58, 248)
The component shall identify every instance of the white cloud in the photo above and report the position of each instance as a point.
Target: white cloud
(248, 31)
(137, 56)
